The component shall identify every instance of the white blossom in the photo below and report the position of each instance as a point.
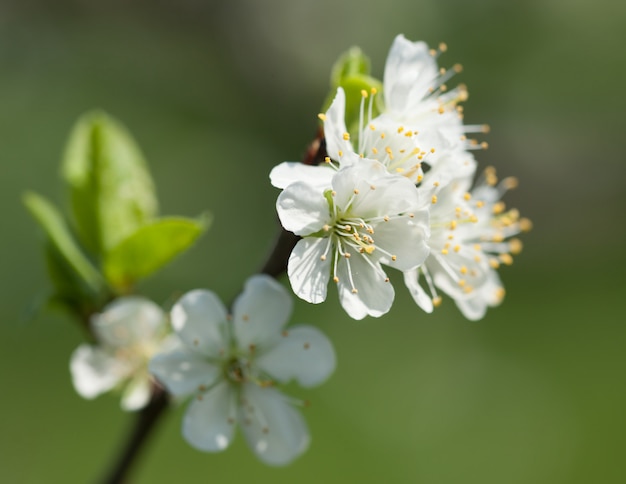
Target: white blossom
(129, 331)
(367, 218)
(231, 364)
(470, 238)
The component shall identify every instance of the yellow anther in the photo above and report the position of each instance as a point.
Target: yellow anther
(322, 257)
(494, 263)
(468, 289)
(347, 255)
(442, 71)
(477, 247)
(485, 128)
(436, 184)
(386, 218)
(498, 207)
(437, 301)
(440, 110)
(515, 246)
(480, 204)
(394, 258)
(463, 270)
(432, 52)
(336, 279)
(525, 225)
(462, 282)
(326, 228)
(498, 237)
(373, 90)
(457, 248)
(400, 129)
(467, 197)
(355, 290)
(474, 219)
(408, 134)
(432, 150)
(375, 151)
(452, 224)
(364, 93)
(420, 178)
(369, 249)
(457, 68)
(327, 159)
(372, 127)
(484, 145)
(506, 259)
(382, 135)
(346, 136)
(356, 191)
(476, 258)
(322, 116)
(443, 47)
(510, 182)
(372, 187)
(340, 153)
(434, 199)
(444, 251)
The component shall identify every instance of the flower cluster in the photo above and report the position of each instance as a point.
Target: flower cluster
(397, 192)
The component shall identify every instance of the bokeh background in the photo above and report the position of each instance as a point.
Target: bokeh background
(217, 93)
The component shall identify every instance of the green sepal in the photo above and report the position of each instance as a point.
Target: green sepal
(111, 191)
(149, 248)
(69, 268)
(352, 72)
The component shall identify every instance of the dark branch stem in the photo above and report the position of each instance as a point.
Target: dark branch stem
(144, 424)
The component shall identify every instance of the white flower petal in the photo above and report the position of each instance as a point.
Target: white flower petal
(421, 298)
(290, 172)
(260, 312)
(335, 128)
(183, 372)
(409, 72)
(274, 430)
(128, 320)
(302, 209)
(373, 295)
(137, 393)
(404, 238)
(360, 176)
(199, 319)
(304, 353)
(208, 424)
(94, 371)
(308, 273)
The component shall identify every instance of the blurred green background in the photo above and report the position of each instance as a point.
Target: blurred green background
(217, 93)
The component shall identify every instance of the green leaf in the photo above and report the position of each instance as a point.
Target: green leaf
(149, 248)
(64, 257)
(111, 191)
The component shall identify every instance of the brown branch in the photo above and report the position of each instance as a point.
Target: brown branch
(144, 424)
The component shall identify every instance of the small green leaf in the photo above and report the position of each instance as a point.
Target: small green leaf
(149, 248)
(65, 259)
(111, 191)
